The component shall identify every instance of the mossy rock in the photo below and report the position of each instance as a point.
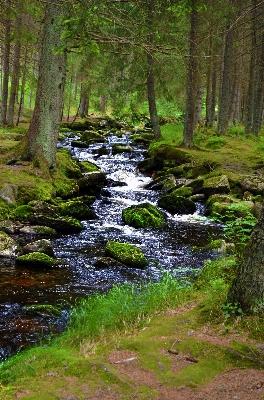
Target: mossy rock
(60, 224)
(76, 209)
(196, 184)
(8, 246)
(166, 182)
(107, 262)
(42, 310)
(87, 166)
(65, 175)
(125, 253)
(142, 138)
(36, 259)
(177, 204)
(215, 185)
(79, 144)
(183, 191)
(143, 215)
(92, 136)
(23, 212)
(228, 212)
(121, 148)
(218, 198)
(170, 155)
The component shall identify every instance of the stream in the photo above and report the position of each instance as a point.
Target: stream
(166, 249)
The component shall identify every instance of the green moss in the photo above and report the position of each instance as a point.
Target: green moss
(5, 210)
(87, 166)
(76, 209)
(183, 191)
(22, 212)
(36, 259)
(43, 310)
(176, 204)
(143, 215)
(65, 175)
(125, 253)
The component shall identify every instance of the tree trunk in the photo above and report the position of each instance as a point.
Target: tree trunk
(84, 101)
(15, 76)
(248, 288)
(41, 139)
(192, 81)
(224, 97)
(153, 113)
(3, 120)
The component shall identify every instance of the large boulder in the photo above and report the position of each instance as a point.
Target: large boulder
(143, 215)
(176, 204)
(9, 193)
(41, 246)
(60, 224)
(92, 181)
(91, 136)
(127, 254)
(76, 209)
(8, 246)
(121, 148)
(216, 184)
(252, 184)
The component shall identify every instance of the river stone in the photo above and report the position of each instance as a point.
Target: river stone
(166, 182)
(95, 179)
(7, 226)
(216, 184)
(76, 209)
(43, 208)
(143, 215)
(121, 148)
(176, 204)
(183, 191)
(253, 184)
(91, 137)
(60, 224)
(36, 260)
(38, 230)
(9, 193)
(79, 144)
(127, 254)
(8, 247)
(107, 262)
(41, 246)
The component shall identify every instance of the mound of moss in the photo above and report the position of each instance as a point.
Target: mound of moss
(143, 215)
(36, 259)
(76, 209)
(125, 253)
(176, 204)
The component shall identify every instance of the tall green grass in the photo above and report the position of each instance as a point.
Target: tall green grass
(122, 308)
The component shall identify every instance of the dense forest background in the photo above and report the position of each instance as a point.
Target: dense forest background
(191, 60)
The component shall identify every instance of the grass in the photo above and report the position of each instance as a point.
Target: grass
(143, 320)
(235, 147)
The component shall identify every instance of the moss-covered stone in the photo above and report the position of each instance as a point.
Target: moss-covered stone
(216, 184)
(91, 136)
(22, 212)
(87, 166)
(37, 260)
(76, 209)
(121, 148)
(65, 175)
(127, 254)
(143, 215)
(8, 246)
(43, 310)
(177, 204)
(183, 191)
(60, 224)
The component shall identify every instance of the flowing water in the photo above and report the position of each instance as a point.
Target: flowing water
(167, 249)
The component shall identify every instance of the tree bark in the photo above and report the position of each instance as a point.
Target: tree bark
(192, 81)
(41, 139)
(3, 120)
(153, 113)
(248, 288)
(15, 76)
(224, 97)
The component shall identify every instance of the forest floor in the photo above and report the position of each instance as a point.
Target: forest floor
(173, 357)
